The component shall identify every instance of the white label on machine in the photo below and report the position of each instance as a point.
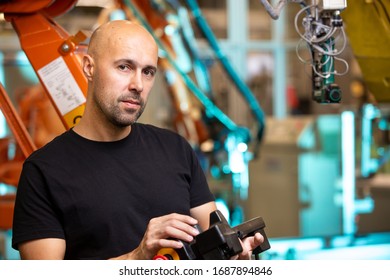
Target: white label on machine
(334, 4)
(61, 85)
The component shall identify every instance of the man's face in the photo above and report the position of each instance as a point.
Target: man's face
(123, 77)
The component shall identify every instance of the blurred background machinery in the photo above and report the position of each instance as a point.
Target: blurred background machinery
(285, 102)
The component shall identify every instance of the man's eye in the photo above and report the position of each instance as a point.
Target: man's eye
(123, 67)
(150, 73)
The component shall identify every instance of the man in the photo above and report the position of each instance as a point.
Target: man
(111, 188)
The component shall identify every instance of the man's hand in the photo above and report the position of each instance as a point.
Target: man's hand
(248, 245)
(164, 232)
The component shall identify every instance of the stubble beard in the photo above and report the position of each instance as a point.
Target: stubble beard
(121, 117)
(124, 118)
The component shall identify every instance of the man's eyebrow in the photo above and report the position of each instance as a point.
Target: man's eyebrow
(151, 67)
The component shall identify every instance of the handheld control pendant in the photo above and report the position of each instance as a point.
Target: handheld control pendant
(218, 242)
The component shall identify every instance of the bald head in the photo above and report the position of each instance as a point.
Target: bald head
(115, 32)
(120, 67)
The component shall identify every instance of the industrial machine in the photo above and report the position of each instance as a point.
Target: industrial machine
(52, 53)
(357, 140)
(322, 28)
(367, 26)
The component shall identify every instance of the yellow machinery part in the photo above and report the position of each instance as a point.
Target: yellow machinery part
(367, 25)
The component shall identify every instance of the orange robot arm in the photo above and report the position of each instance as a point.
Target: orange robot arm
(52, 53)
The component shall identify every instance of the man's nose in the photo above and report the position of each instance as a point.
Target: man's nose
(136, 82)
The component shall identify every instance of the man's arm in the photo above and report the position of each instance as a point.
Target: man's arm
(43, 249)
(202, 214)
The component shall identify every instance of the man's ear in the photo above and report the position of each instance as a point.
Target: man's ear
(88, 66)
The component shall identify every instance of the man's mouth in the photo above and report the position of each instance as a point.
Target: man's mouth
(131, 103)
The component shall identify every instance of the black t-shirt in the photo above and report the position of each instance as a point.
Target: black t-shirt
(100, 196)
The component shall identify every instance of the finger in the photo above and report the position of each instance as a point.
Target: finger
(181, 231)
(245, 254)
(170, 243)
(174, 226)
(252, 242)
(249, 244)
(179, 217)
(180, 222)
(258, 240)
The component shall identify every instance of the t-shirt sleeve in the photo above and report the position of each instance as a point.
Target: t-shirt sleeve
(34, 215)
(200, 191)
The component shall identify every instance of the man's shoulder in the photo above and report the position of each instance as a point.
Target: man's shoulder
(165, 136)
(52, 147)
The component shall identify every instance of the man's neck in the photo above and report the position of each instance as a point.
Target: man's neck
(101, 132)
